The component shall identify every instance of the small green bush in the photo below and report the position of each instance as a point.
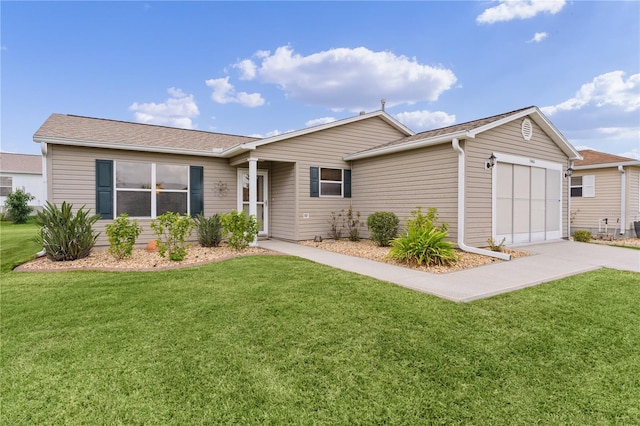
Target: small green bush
(122, 235)
(242, 229)
(172, 229)
(65, 236)
(424, 242)
(353, 224)
(17, 206)
(209, 230)
(582, 236)
(383, 227)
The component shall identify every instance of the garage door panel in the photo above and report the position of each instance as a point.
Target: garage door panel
(528, 203)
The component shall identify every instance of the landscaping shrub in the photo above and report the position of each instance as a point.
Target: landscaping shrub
(122, 235)
(65, 236)
(383, 227)
(17, 207)
(172, 229)
(424, 242)
(209, 230)
(242, 229)
(582, 236)
(336, 225)
(353, 224)
(495, 246)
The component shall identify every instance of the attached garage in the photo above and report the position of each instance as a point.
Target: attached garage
(527, 200)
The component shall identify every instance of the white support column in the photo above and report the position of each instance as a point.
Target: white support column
(253, 192)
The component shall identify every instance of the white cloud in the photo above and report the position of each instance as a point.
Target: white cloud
(225, 93)
(508, 10)
(424, 120)
(319, 121)
(247, 68)
(176, 111)
(634, 153)
(605, 89)
(354, 79)
(268, 134)
(538, 37)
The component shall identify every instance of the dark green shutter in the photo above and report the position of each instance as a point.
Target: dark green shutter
(347, 184)
(196, 190)
(104, 188)
(315, 181)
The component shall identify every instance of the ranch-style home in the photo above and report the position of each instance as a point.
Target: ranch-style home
(500, 177)
(605, 194)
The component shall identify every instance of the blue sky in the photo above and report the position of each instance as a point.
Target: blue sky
(263, 68)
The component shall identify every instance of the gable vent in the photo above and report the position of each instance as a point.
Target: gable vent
(527, 129)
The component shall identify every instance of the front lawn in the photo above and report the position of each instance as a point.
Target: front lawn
(281, 340)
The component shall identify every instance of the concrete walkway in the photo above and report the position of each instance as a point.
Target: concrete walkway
(548, 262)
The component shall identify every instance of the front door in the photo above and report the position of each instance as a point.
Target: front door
(262, 203)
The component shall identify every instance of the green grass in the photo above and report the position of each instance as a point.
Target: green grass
(17, 244)
(280, 340)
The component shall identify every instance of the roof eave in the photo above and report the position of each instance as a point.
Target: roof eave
(122, 147)
(607, 165)
(421, 143)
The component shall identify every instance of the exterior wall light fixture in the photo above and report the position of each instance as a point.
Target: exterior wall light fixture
(569, 172)
(491, 162)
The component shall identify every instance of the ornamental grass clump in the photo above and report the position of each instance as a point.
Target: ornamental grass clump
(424, 242)
(383, 227)
(65, 236)
(209, 230)
(172, 231)
(122, 235)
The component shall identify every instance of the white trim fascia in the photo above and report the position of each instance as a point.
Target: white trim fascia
(236, 150)
(543, 121)
(607, 165)
(382, 114)
(527, 161)
(421, 143)
(122, 147)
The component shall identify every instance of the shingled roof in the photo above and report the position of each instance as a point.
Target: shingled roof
(591, 157)
(20, 163)
(61, 128)
(466, 130)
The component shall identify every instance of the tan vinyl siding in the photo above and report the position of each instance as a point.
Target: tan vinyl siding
(401, 182)
(324, 148)
(633, 197)
(71, 174)
(505, 139)
(282, 201)
(586, 211)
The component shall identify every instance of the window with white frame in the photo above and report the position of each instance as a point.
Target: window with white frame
(6, 185)
(331, 181)
(583, 186)
(151, 189)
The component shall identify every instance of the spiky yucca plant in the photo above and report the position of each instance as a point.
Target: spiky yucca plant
(65, 236)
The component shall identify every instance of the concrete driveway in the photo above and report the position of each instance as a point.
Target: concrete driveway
(549, 261)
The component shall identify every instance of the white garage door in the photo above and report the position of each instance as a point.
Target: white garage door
(527, 201)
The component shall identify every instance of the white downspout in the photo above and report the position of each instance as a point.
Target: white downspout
(623, 201)
(568, 194)
(455, 143)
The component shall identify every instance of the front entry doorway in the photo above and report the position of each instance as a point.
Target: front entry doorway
(262, 214)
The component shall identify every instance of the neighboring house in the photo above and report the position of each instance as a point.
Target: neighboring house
(21, 171)
(498, 177)
(605, 193)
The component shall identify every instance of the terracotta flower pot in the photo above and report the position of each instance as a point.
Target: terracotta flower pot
(152, 246)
